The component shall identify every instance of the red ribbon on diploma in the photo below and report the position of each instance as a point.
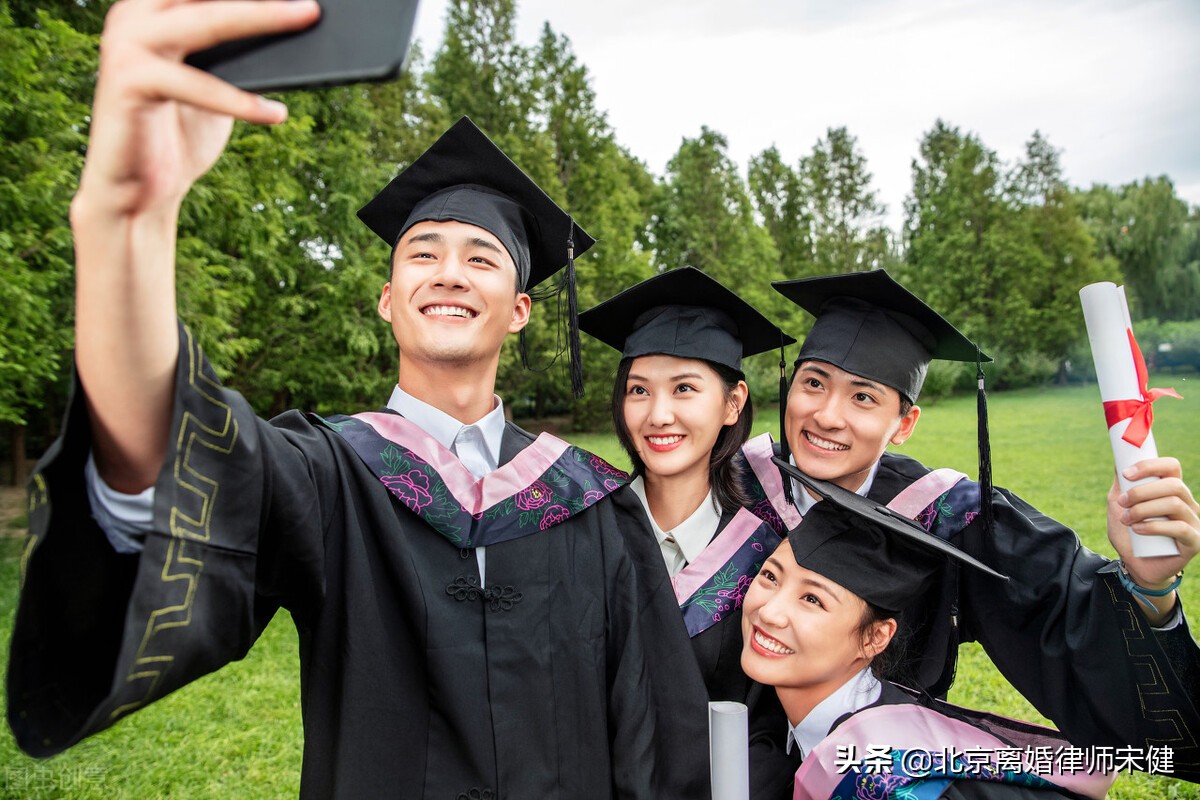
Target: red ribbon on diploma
(1139, 411)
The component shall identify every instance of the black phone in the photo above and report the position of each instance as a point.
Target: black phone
(352, 42)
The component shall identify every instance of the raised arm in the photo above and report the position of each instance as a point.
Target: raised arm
(157, 126)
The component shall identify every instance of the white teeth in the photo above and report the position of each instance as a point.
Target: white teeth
(767, 643)
(448, 311)
(825, 444)
(664, 440)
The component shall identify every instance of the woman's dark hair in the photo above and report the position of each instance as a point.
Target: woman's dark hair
(891, 663)
(724, 470)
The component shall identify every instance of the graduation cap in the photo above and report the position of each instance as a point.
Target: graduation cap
(879, 555)
(683, 313)
(465, 177)
(871, 326)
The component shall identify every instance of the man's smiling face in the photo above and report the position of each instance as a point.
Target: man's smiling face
(839, 424)
(453, 295)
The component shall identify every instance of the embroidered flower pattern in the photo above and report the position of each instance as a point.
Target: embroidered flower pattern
(533, 496)
(574, 482)
(766, 512)
(553, 515)
(412, 488)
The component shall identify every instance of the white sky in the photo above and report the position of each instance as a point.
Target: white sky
(1113, 84)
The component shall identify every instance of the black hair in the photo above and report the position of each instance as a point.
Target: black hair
(724, 469)
(890, 664)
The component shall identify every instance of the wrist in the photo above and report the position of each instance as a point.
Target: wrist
(1157, 598)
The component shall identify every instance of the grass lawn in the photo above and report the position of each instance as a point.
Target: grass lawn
(237, 733)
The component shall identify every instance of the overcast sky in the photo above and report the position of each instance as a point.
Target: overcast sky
(1113, 84)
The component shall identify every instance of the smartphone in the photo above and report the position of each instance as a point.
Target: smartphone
(352, 42)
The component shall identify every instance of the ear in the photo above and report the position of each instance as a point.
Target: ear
(907, 423)
(737, 401)
(879, 637)
(520, 315)
(385, 302)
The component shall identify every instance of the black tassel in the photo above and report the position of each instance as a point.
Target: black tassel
(985, 448)
(784, 450)
(573, 346)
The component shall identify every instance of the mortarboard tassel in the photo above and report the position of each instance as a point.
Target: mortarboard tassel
(784, 451)
(576, 356)
(985, 448)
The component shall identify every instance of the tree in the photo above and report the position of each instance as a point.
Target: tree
(780, 199)
(960, 252)
(45, 76)
(1059, 251)
(1152, 234)
(848, 234)
(704, 218)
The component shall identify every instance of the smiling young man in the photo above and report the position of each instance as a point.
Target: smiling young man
(469, 618)
(1116, 681)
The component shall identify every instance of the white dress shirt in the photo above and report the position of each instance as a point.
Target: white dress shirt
(126, 518)
(684, 543)
(858, 692)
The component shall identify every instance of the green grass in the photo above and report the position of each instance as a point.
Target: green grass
(237, 733)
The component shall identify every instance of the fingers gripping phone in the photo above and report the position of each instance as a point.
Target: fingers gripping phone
(353, 41)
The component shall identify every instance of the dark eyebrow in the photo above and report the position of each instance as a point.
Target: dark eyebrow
(855, 380)
(484, 243)
(437, 238)
(429, 236)
(687, 375)
(823, 585)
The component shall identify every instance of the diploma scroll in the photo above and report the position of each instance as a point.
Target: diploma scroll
(1121, 375)
(729, 750)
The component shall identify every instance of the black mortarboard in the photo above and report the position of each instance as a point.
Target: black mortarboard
(879, 555)
(465, 177)
(870, 325)
(683, 313)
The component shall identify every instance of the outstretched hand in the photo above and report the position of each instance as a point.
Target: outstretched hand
(1163, 507)
(158, 124)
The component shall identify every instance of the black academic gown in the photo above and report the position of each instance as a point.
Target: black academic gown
(413, 684)
(1063, 632)
(715, 673)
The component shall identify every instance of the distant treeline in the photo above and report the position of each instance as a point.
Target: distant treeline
(280, 280)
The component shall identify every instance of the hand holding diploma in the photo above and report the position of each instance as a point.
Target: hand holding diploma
(1153, 519)
(1158, 503)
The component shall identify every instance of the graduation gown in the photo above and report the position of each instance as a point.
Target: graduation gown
(903, 746)
(708, 624)
(417, 681)
(1062, 630)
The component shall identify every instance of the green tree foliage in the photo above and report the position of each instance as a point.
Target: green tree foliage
(1003, 254)
(1155, 238)
(781, 202)
(848, 233)
(45, 76)
(705, 219)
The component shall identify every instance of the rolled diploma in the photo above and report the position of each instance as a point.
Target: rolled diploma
(729, 750)
(1106, 315)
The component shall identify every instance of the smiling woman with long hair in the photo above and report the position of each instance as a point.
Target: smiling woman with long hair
(682, 411)
(817, 621)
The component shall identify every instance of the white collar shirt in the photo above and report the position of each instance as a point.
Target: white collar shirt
(684, 543)
(858, 692)
(804, 501)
